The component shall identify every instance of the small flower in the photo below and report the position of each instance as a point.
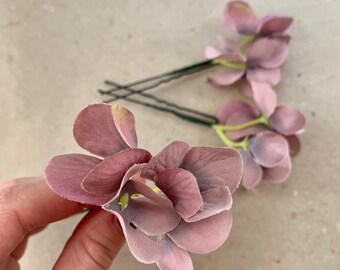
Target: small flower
(199, 182)
(269, 145)
(241, 19)
(257, 70)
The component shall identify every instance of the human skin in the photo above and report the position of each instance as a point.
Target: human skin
(28, 205)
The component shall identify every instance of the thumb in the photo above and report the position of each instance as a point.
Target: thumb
(94, 244)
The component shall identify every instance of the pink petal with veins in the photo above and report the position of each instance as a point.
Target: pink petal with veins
(181, 187)
(107, 176)
(214, 167)
(65, 173)
(269, 76)
(268, 148)
(271, 25)
(170, 157)
(203, 236)
(264, 96)
(279, 173)
(225, 79)
(252, 173)
(287, 121)
(105, 130)
(174, 256)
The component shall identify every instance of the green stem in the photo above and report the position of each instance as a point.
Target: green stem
(246, 40)
(228, 142)
(221, 129)
(230, 64)
(258, 121)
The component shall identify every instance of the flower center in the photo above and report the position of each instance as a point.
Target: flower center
(124, 201)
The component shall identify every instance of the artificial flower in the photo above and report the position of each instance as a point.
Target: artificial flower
(241, 19)
(199, 182)
(181, 197)
(257, 70)
(269, 144)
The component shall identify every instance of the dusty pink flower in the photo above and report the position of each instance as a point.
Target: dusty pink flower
(257, 70)
(241, 19)
(198, 182)
(182, 197)
(269, 146)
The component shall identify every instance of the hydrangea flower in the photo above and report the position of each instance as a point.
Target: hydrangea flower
(270, 146)
(241, 19)
(167, 205)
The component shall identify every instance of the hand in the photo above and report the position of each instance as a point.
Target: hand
(27, 205)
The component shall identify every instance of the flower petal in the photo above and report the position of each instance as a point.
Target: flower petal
(245, 87)
(264, 96)
(170, 157)
(267, 53)
(252, 173)
(294, 144)
(240, 18)
(65, 173)
(230, 107)
(203, 236)
(260, 51)
(104, 130)
(174, 256)
(279, 173)
(215, 200)
(211, 53)
(268, 148)
(180, 186)
(270, 76)
(271, 25)
(143, 248)
(107, 176)
(214, 167)
(151, 218)
(287, 121)
(225, 79)
(278, 57)
(125, 123)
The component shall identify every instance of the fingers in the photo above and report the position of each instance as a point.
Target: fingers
(11, 264)
(26, 204)
(94, 244)
(20, 249)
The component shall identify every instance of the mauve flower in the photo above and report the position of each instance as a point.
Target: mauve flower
(269, 146)
(198, 183)
(241, 19)
(257, 70)
(182, 197)
(108, 132)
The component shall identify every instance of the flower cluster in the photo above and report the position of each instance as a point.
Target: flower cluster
(255, 60)
(269, 144)
(167, 205)
(266, 137)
